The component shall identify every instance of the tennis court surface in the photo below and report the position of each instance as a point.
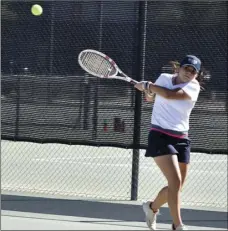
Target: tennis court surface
(36, 213)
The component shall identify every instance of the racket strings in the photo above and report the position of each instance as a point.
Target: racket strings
(96, 64)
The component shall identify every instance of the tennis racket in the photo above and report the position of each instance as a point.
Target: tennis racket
(100, 65)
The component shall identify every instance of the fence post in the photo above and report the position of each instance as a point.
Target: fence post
(18, 87)
(140, 60)
(96, 93)
(51, 56)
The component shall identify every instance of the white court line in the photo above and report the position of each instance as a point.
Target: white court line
(206, 161)
(92, 164)
(77, 158)
(106, 157)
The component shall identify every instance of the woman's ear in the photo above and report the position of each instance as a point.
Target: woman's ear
(176, 69)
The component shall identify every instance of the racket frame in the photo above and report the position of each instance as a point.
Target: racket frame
(114, 76)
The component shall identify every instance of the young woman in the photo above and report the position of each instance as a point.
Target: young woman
(168, 142)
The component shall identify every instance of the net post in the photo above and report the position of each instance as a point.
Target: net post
(139, 70)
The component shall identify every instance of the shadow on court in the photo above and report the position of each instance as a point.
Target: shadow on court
(106, 210)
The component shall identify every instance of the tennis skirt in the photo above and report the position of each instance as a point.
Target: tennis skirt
(160, 144)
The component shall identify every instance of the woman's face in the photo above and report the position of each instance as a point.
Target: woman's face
(187, 73)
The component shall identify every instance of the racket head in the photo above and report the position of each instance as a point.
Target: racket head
(98, 64)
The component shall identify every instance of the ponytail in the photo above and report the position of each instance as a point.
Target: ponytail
(175, 66)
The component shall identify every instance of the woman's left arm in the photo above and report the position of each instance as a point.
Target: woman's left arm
(169, 93)
(162, 91)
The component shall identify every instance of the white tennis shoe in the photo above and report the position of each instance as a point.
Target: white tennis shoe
(151, 216)
(180, 227)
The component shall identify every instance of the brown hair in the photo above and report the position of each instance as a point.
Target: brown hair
(202, 75)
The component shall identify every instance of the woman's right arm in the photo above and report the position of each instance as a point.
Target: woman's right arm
(150, 97)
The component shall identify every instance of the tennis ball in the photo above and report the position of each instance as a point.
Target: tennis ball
(36, 10)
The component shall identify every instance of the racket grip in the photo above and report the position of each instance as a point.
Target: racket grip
(132, 81)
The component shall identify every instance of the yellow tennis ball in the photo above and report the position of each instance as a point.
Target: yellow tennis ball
(36, 10)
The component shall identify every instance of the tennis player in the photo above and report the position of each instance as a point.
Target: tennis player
(168, 142)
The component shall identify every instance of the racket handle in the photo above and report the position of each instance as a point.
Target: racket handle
(130, 80)
(133, 81)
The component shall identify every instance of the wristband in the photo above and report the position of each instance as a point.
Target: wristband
(144, 85)
(148, 89)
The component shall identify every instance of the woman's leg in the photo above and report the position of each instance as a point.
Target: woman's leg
(171, 170)
(162, 197)
(184, 171)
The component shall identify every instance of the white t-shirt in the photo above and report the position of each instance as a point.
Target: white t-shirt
(174, 114)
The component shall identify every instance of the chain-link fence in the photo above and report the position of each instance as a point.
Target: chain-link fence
(105, 173)
(46, 97)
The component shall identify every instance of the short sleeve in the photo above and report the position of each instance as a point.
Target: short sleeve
(192, 89)
(160, 80)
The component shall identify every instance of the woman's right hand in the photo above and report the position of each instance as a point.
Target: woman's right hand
(139, 86)
(142, 85)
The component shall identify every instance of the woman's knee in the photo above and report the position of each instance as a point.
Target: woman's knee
(171, 170)
(175, 184)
